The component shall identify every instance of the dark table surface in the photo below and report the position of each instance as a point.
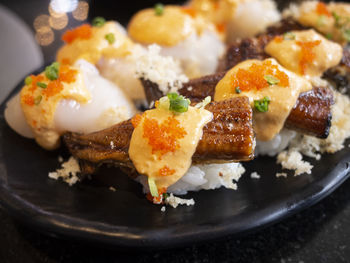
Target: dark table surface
(318, 234)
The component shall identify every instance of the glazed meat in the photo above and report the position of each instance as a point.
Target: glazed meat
(228, 137)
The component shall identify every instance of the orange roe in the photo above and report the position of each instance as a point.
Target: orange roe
(278, 39)
(135, 121)
(67, 74)
(306, 54)
(166, 171)
(54, 87)
(189, 11)
(65, 61)
(254, 77)
(221, 28)
(82, 32)
(163, 138)
(28, 99)
(159, 199)
(322, 9)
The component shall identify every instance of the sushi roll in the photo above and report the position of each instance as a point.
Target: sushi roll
(331, 19)
(238, 18)
(180, 33)
(66, 98)
(106, 45)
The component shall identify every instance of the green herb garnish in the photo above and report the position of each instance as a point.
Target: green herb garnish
(238, 90)
(159, 9)
(289, 36)
(165, 196)
(262, 105)
(178, 103)
(346, 34)
(28, 80)
(329, 36)
(41, 85)
(271, 80)
(51, 72)
(337, 19)
(153, 187)
(37, 100)
(110, 38)
(98, 21)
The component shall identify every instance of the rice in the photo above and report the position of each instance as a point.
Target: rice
(198, 54)
(204, 176)
(175, 201)
(252, 17)
(121, 71)
(68, 172)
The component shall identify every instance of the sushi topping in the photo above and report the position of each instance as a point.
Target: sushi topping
(259, 76)
(343, 24)
(81, 32)
(307, 53)
(163, 137)
(28, 80)
(159, 9)
(110, 38)
(41, 85)
(98, 21)
(153, 187)
(64, 75)
(289, 36)
(38, 99)
(51, 72)
(238, 90)
(189, 11)
(166, 171)
(321, 9)
(178, 103)
(271, 80)
(262, 105)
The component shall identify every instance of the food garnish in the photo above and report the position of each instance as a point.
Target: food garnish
(51, 72)
(98, 21)
(289, 36)
(28, 80)
(81, 32)
(41, 85)
(38, 99)
(159, 9)
(307, 53)
(262, 105)
(271, 79)
(238, 90)
(110, 38)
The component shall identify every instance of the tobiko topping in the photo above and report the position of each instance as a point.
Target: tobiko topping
(81, 32)
(307, 55)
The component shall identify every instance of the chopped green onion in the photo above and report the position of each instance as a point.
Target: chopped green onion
(164, 103)
(159, 9)
(37, 100)
(98, 21)
(153, 187)
(272, 80)
(289, 36)
(51, 72)
(165, 196)
(262, 105)
(110, 38)
(203, 103)
(238, 90)
(41, 85)
(321, 20)
(178, 103)
(329, 36)
(337, 19)
(28, 80)
(346, 34)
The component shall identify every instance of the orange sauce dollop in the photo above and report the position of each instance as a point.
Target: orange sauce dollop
(253, 78)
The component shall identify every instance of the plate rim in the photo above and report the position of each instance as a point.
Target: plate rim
(76, 228)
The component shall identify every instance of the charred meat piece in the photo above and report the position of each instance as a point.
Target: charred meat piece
(228, 137)
(311, 114)
(285, 25)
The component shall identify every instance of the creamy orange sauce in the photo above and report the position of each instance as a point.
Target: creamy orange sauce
(305, 52)
(39, 104)
(282, 95)
(320, 16)
(163, 143)
(94, 45)
(168, 29)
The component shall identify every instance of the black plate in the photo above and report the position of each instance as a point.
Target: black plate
(90, 211)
